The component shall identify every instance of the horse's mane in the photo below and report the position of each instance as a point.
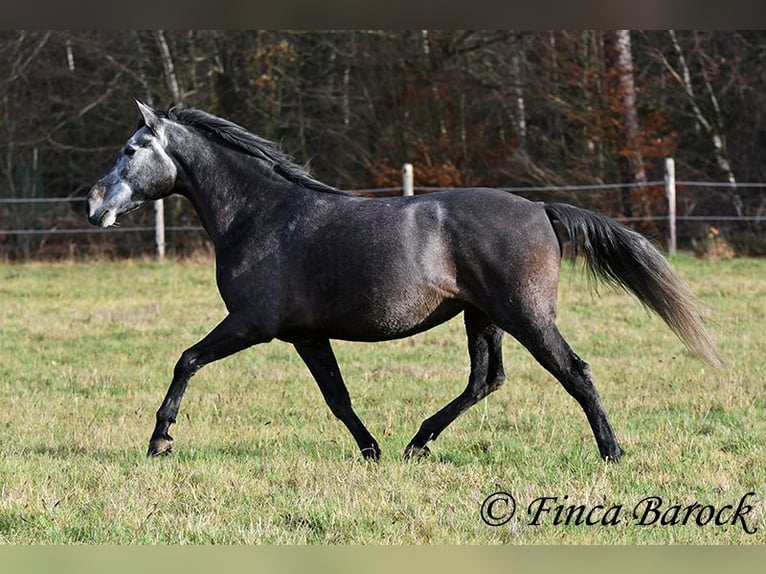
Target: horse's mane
(230, 134)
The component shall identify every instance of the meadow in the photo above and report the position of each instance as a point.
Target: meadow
(87, 351)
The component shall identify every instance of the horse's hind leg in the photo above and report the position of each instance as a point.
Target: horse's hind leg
(543, 339)
(320, 360)
(485, 351)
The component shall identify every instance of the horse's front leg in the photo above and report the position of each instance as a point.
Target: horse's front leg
(233, 334)
(320, 360)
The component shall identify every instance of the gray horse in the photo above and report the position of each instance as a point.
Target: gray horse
(303, 262)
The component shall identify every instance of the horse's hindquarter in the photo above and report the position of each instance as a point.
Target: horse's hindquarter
(507, 247)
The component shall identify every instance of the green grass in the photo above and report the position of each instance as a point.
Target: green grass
(87, 352)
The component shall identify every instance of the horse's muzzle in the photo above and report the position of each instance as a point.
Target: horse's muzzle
(94, 208)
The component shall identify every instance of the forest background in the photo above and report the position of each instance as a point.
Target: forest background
(500, 108)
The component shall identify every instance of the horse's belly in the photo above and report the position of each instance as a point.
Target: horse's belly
(373, 322)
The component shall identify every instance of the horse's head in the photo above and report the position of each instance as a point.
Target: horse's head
(142, 171)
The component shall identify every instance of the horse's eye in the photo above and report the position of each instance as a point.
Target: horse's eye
(129, 151)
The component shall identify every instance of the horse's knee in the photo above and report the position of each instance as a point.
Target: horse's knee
(187, 364)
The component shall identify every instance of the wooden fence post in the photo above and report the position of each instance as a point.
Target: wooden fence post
(159, 228)
(408, 187)
(670, 193)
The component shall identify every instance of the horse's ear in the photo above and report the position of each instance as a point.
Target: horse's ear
(151, 119)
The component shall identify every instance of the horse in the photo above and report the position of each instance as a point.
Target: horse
(306, 263)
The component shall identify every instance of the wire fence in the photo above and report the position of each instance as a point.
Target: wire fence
(31, 222)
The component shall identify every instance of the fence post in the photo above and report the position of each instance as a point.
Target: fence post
(670, 193)
(159, 228)
(408, 187)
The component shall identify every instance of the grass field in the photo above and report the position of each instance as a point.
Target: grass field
(87, 352)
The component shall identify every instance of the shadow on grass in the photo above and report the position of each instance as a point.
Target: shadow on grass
(318, 451)
(69, 452)
(180, 453)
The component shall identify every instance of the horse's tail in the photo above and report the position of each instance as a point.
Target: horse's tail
(621, 257)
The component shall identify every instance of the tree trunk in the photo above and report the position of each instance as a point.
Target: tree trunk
(168, 67)
(518, 89)
(619, 60)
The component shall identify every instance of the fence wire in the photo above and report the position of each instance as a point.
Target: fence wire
(56, 227)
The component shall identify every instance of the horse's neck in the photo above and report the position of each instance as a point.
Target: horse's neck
(224, 193)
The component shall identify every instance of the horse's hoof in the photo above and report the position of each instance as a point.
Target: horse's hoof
(160, 446)
(415, 452)
(614, 457)
(371, 453)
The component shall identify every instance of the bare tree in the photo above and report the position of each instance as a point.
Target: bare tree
(711, 124)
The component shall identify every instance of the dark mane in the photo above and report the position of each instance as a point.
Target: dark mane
(237, 137)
